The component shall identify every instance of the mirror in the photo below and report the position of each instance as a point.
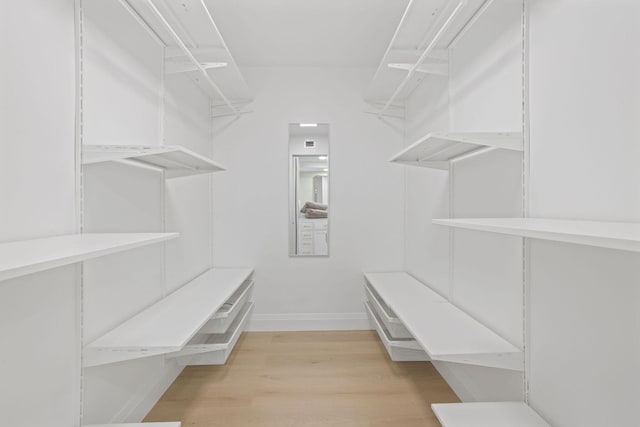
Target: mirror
(309, 189)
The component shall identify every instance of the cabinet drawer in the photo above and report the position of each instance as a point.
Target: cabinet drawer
(388, 318)
(216, 348)
(306, 226)
(220, 322)
(399, 349)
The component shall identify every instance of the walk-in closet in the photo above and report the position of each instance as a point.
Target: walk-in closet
(304, 213)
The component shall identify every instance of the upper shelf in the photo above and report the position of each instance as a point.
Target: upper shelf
(444, 331)
(30, 256)
(168, 325)
(175, 161)
(194, 46)
(494, 414)
(436, 149)
(420, 47)
(612, 235)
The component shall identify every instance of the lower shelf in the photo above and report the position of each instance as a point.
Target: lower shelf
(223, 318)
(489, 414)
(389, 319)
(216, 348)
(399, 349)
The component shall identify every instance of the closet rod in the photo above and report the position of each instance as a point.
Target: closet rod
(189, 55)
(424, 55)
(232, 61)
(393, 39)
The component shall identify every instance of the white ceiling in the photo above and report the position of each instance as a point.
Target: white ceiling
(349, 33)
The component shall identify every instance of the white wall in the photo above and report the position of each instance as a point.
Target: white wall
(584, 322)
(128, 100)
(39, 322)
(251, 198)
(479, 272)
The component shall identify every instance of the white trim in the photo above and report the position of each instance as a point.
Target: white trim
(309, 322)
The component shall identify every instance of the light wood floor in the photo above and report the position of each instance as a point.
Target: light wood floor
(306, 379)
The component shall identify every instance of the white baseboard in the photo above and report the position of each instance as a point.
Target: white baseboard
(139, 405)
(308, 322)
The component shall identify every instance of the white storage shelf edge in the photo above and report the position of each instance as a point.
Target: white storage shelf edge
(175, 161)
(168, 325)
(444, 331)
(612, 235)
(437, 149)
(399, 349)
(490, 414)
(217, 347)
(30, 256)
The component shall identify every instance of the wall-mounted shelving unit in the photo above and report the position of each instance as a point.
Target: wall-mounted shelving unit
(437, 149)
(168, 325)
(612, 235)
(444, 331)
(489, 414)
(30, 256)
(194, 46)
(419, 47)
(174, 160)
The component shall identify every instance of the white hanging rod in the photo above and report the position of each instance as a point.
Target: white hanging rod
(177, 67)
(425, 53)
(224, 44)
(189, 55)
(127, 6)
(172, 52)
(469, 24)
(439, 69)
(393, 39)
(439, 54)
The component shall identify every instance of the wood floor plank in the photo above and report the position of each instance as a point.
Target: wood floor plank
(306, 379)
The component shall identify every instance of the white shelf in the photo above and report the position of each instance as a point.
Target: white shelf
(218, 347)
(165, 424)
(612, 235)
(168, 325)
(220, 322)
(436, 149)
(444, 331)
(400, 288)
(30, 256)
(175, 161)
(491, 414)
(425, 33)
(399, 349)
(191, 36)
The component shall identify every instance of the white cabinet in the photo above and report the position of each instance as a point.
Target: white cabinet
(313, 238)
